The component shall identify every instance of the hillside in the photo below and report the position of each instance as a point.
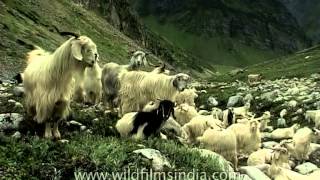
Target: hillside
(307, 14)
(226, 32)
(300, 64)
(23, 24)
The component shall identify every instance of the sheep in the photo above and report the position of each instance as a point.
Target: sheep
(313, 115)
(186, 96)
(301, 142)
(223, 142)
(283, 133)
(197, 126)
(262, 156)
(283, 113)
(138, 88)
(248, 136)
(111, 73)
(242, 111)
(92, 84)
(34, 55)
(281, 123)
(248, 98)
(140, 125)
(264, 120)
(228, 117)
(217, 113)
(48, 82)
(184, 113)
(253, 78)
(161, 69)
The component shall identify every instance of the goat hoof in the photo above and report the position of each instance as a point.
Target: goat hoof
(57, 135)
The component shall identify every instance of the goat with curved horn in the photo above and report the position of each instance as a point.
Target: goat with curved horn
(76, 35)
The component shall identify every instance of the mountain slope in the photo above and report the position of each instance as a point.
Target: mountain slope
(307, 13)
(226, 32)
(37, 22)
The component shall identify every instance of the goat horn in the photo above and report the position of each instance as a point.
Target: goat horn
(76, 35)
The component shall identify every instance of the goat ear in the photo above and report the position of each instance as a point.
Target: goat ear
(172, 113)
(76, 50)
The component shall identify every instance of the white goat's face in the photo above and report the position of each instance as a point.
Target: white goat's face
(181, 81)
(85, 50)
(139, 59)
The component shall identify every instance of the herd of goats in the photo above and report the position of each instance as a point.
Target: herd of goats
(150, 101)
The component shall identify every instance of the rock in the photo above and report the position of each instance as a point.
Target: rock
(96, 120)
(220, 160)
(63, 141)
(281, 123)
(269, 144)
(18, 91)
(234, 101)
(202, 107)
(306, 168)
(314, 147)
(16, 135)
(5, 95)
(82, 128)
(18, 105)
(12, 101)
(159, 162)
(248, 98)
(212, 102)
(10, 121)
(75, 123)
(254, 173)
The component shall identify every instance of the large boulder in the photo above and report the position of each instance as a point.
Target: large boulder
(306, 168)
(254, 173)
(159, 162)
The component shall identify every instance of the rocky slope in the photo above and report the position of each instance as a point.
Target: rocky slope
(307, 14)
(224, 31)
(37, 22)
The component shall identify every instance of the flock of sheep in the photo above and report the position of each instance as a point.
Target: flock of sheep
(148, 102)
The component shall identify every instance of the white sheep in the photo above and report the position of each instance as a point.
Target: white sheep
(48, 82)
(283, 113)
(92, 85)
(223, 142)
(261, 156)
(217, 113)
(111, 73)
(186, 96)
(248, 136)
(184, 113)
(242, 111)
(264, 120)
(283, 133)
(138, 88)
(301, 142)
(313, 115)
(254, 78)
(197, 126)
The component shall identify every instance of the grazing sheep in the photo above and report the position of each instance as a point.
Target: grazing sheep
(283, 133)
(262, 156)
(228, 117)
(264, 120)
(186, 96)
(301, 142)
(248, 98)
(196, 127)
(48, 82)
(184, 113)
(254, 78)
(92, 84)
(142, 125)
(248, 136)
(138, 88)
(111, 73)
(242, 111)
(313, 115)
(223, 142)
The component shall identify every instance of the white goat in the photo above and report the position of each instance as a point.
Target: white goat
(92, 84)
(223, 142)
(187, 96)
(283, 133)
(184, 113)
(138, 88)
(48, 82)
(248, 136)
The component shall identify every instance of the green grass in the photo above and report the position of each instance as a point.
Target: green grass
(216, 50)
